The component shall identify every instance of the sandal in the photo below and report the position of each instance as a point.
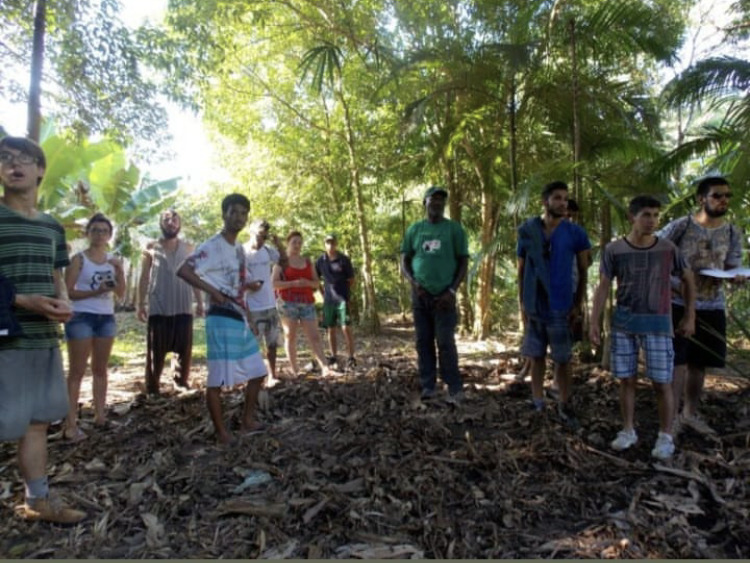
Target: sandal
(79, 436)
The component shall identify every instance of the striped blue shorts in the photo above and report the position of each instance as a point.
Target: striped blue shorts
(658, 352)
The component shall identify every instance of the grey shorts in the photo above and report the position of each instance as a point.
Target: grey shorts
(267, 325)
(32, 389)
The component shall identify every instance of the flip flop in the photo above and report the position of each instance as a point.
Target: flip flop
(258, 429)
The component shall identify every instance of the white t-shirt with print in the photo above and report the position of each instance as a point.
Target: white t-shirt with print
(259, 264)
(222, 265)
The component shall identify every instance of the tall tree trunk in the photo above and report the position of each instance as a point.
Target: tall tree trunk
(455, 210)
(606, 236)
(370, 319)
(513, 137)
(34, 121)
(403, 289)
(576, 117)
(486, 277)
(486, 274)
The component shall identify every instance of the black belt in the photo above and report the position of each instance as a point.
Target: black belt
(220, 311)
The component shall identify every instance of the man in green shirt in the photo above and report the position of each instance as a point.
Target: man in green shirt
(434, 258)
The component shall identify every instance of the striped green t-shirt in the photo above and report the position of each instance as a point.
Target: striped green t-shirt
(30, 251)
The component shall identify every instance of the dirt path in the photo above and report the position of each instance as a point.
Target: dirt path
(359, 467)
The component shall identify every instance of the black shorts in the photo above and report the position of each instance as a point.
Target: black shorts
(708, 346)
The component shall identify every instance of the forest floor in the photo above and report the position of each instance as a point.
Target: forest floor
(357, 466)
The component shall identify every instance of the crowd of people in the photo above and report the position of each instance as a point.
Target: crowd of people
(667, 307)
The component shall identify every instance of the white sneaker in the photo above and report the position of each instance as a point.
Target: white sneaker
(625, 439)
(664, 447)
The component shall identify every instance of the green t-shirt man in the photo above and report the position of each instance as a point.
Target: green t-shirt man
(435, 249)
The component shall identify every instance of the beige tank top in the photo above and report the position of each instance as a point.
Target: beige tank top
(167, 294)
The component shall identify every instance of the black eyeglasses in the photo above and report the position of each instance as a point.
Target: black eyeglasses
(726, 195)
(20, 158)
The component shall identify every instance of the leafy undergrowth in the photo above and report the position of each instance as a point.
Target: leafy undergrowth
(360, 467)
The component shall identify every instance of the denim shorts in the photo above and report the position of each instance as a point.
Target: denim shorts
(90, 325)
(657, 350)
(296, 311)
(553, 332)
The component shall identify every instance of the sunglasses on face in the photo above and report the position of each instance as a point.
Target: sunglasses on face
(725, 195)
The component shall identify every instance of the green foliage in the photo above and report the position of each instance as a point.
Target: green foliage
(94, 83)
(316, 101)
(83, 177)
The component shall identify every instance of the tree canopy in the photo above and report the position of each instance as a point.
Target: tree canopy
(334, 116)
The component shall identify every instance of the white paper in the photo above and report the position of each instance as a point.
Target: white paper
(725, 274)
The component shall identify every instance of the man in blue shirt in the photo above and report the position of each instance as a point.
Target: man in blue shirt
(549, 304)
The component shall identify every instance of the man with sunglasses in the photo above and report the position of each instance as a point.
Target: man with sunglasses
(548, 246)
(706, 240)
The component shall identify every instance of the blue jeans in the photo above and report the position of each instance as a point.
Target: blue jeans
(434, 324)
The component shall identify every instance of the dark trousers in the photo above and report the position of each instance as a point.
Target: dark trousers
(168, 334)
(436, 326)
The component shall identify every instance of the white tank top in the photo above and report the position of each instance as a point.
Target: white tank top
(91, 277)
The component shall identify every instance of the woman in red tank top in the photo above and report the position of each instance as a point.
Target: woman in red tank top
(296, 282)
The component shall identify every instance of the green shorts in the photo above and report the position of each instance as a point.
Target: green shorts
(336, 314)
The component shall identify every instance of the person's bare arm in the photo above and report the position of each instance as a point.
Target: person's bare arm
(71, 276)
(200, 309)
(600, 299)
(280, 247)
(56, 308)
(120, 285)
(519, 275)
(686, 327)
(278, 283)
(583, 261)
(146, 262)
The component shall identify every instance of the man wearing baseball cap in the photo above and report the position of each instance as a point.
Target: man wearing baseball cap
(337, 275)
(435, 258)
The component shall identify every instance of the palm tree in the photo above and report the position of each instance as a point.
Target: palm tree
(721, 88)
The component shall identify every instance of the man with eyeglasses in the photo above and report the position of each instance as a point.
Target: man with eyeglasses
(706, 240)
(165, 302)
(259, 298)
(33, 391)
(547, 248)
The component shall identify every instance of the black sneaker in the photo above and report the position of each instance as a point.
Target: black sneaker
(331, 361)
(567, 416)
(351, 363)
(455, 398)
(428, 394)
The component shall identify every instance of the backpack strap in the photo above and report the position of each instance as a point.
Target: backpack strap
(687, 220)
